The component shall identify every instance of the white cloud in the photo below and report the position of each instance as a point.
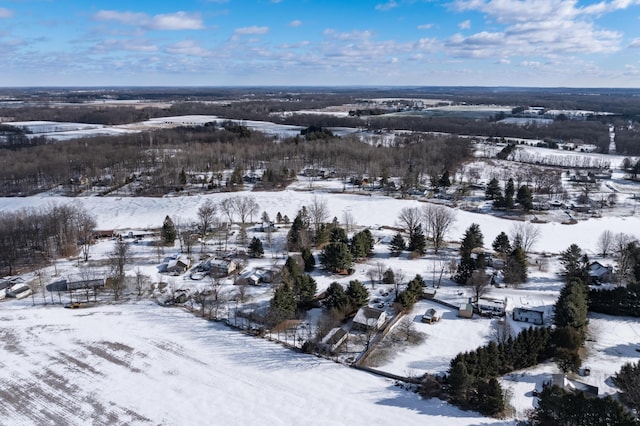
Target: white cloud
(425, 26)
(186, 47)
(635, 43)
(253, 30)
(295, 23)
(383, 7)
(177, 21)
(545, 28)
(5, 13)
(503, 61)
(170, 21)
(143, 46)
(464, 25)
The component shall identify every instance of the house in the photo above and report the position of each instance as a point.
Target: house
(465, 310)
(431, 315)
(19, 291)
(598, 273)
(178, 265)
(266, 227)
(369, 318)
(528, 315)
(574, 386)
(220, 267)
(491, 307)
(334, 339)
(254, 277)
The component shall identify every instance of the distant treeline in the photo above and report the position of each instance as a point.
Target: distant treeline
(156, 159)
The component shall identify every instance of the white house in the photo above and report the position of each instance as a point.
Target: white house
(369, 318)
(528, 315)
(491, 307)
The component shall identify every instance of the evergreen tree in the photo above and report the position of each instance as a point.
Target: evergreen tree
(493, 190)
(357, 293)
(509, 192)
(469, 261)
(362, 244)
(515, 271)
(417, 241)
(501, 244)
(445, 180)
(282, 305)
(571, 307)
(255, 248)
(459, 382)
(524, 198)
(309, 260)
(336, 257)
(279, 217)
(389, 277)
(168, 233)
(397, 245)
(182, 179)
(575, 264)
(298, 236)
(338, 235)
(335, 297)
(491, 397)
(304, 289)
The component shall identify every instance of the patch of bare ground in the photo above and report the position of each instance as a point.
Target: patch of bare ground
(77, 365)
(115, 353)
(175, 349)
(10, 341)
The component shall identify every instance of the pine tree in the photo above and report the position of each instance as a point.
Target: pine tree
(362, 244)
(357, 293)
(509, 192)
(335, 297)
(501, 244)
(459, 381)
(493, 190)
(309, 260)
(397, 245)
(255, 248)
(168, 233)
(524, 198)
(472, 239)
(305, 289)
(445, 180)
(417, 241)
(282, 305)
(515, 271)
(336, 257)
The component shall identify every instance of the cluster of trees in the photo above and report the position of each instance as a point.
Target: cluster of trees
(472, 375)
(36, 236)
(342, 302)
(509, 198)
(431, 223)
(293, 295)
(623, 300)
(340, 252)
(627, 380)
(559, 407)
(411, 294)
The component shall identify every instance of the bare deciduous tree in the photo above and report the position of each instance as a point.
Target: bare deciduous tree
(348, 221)
(605, 242)
(438, 220)
(142, 281)
(245, 207)
(86, 225)
(206, 217)
(379, 269)
(526, 234)
(118, 259)
(479, 283)
(318, 212)
(409, 218)
(502, 331)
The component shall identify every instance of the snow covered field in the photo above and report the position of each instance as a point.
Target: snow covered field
(141, 364)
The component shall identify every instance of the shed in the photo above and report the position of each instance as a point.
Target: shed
(369, 318)
(465, 310)
(334, 339)
(178, 265)
(431, 315)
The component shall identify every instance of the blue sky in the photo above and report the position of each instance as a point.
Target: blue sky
(320, 43)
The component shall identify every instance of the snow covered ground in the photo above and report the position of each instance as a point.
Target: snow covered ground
(138, 363)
